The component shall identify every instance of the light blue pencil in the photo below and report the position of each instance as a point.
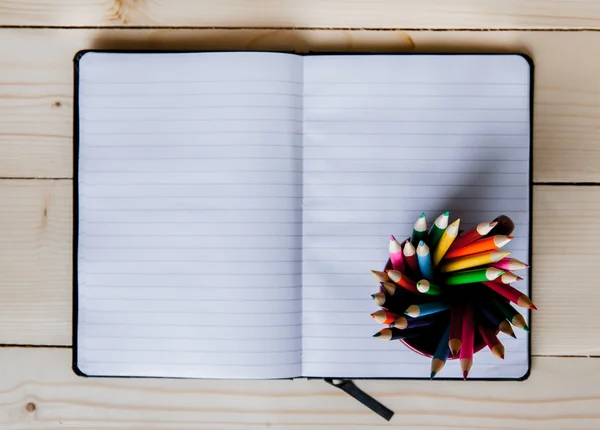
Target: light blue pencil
(424, 259)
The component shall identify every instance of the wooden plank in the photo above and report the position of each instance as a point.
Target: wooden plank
(35, 239)
(307, 13)
(41, 392)
(36, 95)
(36, 266)
(565, 256)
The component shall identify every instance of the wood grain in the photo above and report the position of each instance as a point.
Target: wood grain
(35, 239)
(306, 13)
(36, 95)
(41, 392)
(36, 286)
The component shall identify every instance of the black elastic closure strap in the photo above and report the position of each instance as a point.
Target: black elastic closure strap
(349, 387)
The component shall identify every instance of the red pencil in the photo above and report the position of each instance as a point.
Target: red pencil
(468, 340)
(410, 260)
(472, 235)
(511, 294)
(489, 337)
(456, 316)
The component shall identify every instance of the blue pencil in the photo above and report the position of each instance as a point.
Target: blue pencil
(424, 259)
(441, 354)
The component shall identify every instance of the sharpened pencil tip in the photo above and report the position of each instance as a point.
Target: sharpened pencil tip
(377, 334)
(493, 224)
(447, 213)
(514, 336)
(502, 356)
(422, 215)
(421, 243)
(392, 237)
(432, 374)
(465, 374)
(533, 307)
(526, 329)
(373, 296)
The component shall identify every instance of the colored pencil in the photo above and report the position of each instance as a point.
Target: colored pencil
(396, 291)
(481, 245)
(393, 333)
(441, 354)
(454, 341)
(403, 322)
(445, 242)
(384, 317)
(511, 294)
(509, 278)
(419, 232)
(410, 259)
(380, 276)
(511, 314)
(423, 309)
(477, 232)
(424, 260)
(468, 340)
(491, 340)
(390, 303)
(510, 264)
(437, 228)
(396, 255)
(504, 225)
(404, 281)
(472, 276)
(427, 287)
(500, 323)
(471, 261)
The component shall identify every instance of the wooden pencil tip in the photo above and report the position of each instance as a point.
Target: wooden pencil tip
(465, 374)
(532, 306)
(432, 374)
(513, 335)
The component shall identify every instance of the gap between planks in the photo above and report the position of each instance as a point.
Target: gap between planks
(301, 28)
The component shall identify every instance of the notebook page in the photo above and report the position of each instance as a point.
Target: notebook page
(189, 215)
(385, 138)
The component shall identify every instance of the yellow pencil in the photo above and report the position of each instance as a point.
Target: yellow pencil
(473, 261)
(445, 242)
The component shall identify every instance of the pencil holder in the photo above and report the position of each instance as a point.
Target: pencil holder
(446, 293)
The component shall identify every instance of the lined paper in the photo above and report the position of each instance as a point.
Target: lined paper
(385, 138)
(190, 215)
(231, 205)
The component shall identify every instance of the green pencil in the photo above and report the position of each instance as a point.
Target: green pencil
(437, 229)
(427, 287)
(472, 276)
(511, 314)
(419, 232)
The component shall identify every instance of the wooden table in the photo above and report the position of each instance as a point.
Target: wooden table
(37, 42)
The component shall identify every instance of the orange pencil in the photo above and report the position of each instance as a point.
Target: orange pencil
(384, 317)
(473, 234)
(468, 341)
(481, 245)
(404, 281)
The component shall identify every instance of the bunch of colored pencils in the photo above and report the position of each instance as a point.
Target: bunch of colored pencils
(445, 292)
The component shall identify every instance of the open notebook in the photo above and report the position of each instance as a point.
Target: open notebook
(230, 205)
